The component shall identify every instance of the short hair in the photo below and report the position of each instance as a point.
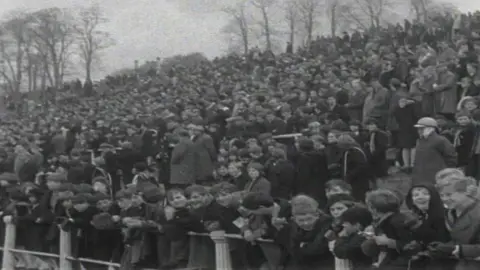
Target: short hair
(383, 200)
(357, 214)
(446, 173)
(338, 183)
(202, 190)
(223, 187)
(460, 184)
(174, 191)
(303, 204)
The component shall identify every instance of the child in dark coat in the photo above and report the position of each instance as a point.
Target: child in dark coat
(179, 221)
(107, 236)
(391, 232)
(348, 245)
(303, 241)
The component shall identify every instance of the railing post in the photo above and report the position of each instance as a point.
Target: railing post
(65, 250)
(8, 262)
(222, 251)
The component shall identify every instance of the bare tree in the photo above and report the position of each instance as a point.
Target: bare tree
(367, 13)
(263, 6)
(291, 15)
(309, 11)
(53, 36)
(420, 9)
(14, 45)
(238, 26)
(332, 14)
(90, 40)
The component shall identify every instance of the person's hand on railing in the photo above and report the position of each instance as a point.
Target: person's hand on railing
(279, 223)
(7, 219)
(169, 213)
(248, 236)
(116, 218)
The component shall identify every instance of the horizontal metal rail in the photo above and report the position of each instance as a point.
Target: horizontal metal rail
(36, 253)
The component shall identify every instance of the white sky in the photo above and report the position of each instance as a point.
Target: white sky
(145, 29)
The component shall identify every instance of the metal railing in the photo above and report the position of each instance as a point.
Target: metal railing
(66, 260)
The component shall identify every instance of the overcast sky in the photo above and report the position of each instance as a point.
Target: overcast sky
(145, 29)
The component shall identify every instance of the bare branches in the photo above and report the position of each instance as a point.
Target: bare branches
(14, 45)
(309, 12)
(90, 39)
(263, 6)
(367, 14)
(238, 27)
(53, 34)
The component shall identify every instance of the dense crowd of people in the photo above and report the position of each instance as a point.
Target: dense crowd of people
(288, 147)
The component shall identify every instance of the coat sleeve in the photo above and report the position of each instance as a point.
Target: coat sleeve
(318, 246)
(450, 82)
(209, 145)
(262, 186)
(348, 247)
(449, 154)
(178, 153)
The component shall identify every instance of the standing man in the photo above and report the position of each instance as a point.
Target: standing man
(433, 152)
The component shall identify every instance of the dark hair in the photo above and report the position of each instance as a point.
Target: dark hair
(383, 200)
(357, 214)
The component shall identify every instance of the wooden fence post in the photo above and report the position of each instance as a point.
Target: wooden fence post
(8, 262)
(222, 251)
(65, 250)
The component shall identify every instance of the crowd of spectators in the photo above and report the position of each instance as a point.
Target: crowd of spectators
(289, 147)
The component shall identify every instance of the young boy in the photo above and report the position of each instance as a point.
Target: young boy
(390, 232)
(204, 208)
(227, 196)
(348, 245)
(463, 217)
(179, 222)
(304, 245)
(107, 238)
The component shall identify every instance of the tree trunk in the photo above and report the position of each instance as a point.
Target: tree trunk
(88, 66)
(292, 32)
(34, 77)
(267, 28)
(424, 10)
(333, 20)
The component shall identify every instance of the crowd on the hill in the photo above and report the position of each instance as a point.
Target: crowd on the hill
(291, 147)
